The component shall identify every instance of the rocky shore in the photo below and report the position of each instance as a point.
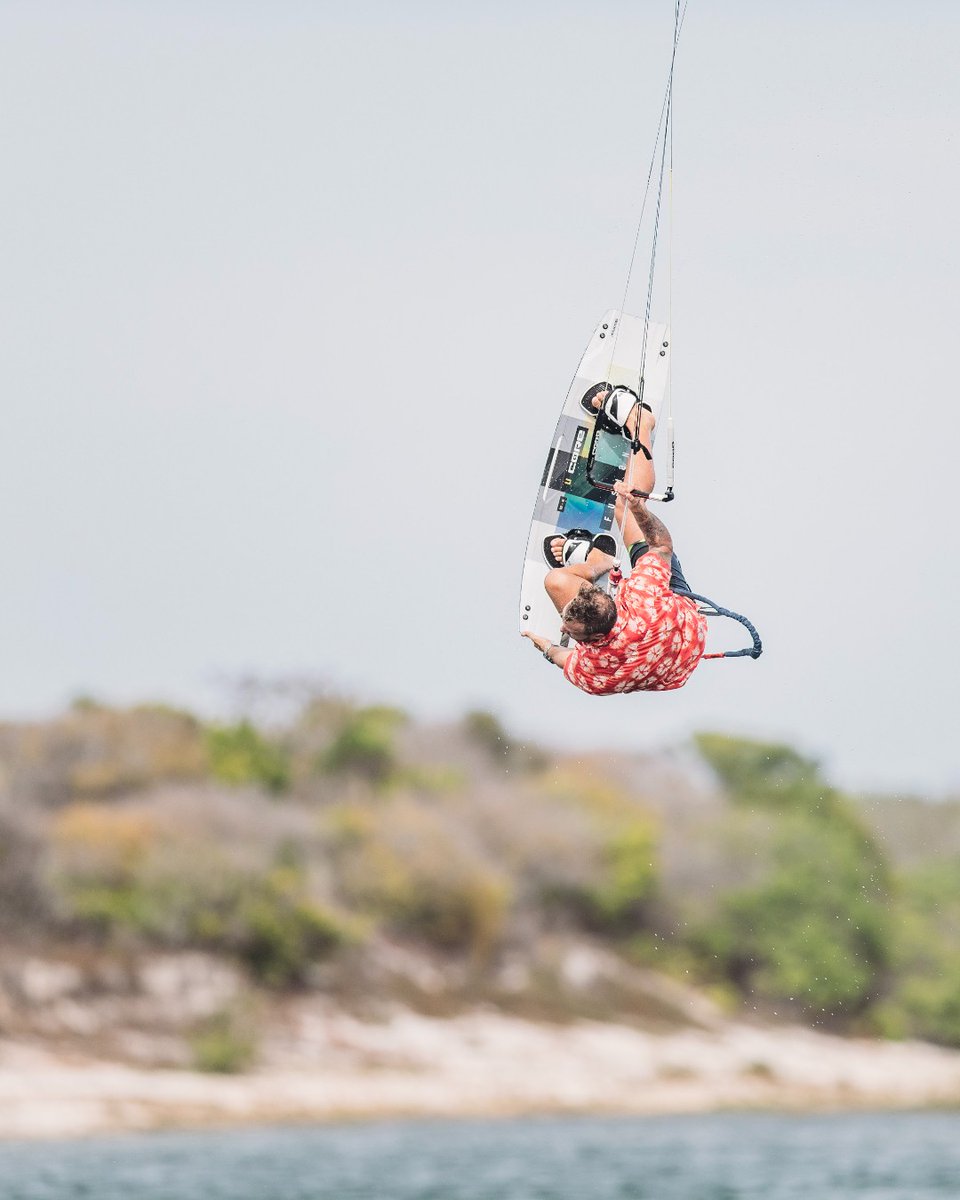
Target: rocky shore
(328, 1065)
(105, 1043)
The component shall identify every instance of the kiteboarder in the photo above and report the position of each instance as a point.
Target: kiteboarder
(650, 635)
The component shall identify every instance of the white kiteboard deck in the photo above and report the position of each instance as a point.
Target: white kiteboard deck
(566, 498)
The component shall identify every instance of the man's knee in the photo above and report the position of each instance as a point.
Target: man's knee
(558, 582)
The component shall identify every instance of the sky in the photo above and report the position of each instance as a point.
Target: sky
(292, 294)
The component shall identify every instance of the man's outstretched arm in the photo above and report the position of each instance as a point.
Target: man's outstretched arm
(655, 533)
(558, 655)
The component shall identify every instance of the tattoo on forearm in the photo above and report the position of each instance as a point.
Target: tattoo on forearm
(653, 529)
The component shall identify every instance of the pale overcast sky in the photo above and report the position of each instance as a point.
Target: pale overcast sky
(292, 293)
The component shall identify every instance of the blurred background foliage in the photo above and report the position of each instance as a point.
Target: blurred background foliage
(293, 840)
(813, 930)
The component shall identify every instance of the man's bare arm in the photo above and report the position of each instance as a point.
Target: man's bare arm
(558, 655)
(654, 531)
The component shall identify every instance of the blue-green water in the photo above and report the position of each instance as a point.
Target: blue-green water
(724, 1157)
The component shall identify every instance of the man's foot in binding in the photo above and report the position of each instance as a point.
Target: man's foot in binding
(620, 410)
(580, 546)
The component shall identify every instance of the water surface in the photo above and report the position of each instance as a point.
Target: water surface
(719, 1157)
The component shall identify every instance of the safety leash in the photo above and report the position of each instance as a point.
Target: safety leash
(717, 610)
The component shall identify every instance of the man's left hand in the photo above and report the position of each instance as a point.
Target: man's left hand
(541, 643)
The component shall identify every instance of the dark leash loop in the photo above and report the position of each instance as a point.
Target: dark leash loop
(717, 610)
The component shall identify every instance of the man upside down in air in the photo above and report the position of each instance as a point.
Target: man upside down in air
(649, 637)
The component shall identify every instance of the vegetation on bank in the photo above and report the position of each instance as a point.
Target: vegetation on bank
(291, 845)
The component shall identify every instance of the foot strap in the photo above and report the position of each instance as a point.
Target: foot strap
(577, 546)
(636, 445)
(617, 413)
(618, 406)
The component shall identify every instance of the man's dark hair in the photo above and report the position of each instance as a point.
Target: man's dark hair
(592, 608)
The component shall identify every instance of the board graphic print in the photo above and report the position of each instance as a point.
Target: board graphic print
(566, 498)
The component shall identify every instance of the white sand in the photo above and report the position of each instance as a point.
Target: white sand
(328, 1065)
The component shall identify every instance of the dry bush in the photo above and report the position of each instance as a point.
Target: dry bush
(409, 865)
(24, 902)
(485, 731)
(98, 752)
(213, 870)
(623, 836)
(109, 844)
(474, 869)
(912, 831)
(550, 849)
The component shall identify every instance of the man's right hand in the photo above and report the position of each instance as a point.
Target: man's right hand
(634, 500)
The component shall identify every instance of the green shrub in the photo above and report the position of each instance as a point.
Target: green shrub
(629, 874)
(437, 780)
(241, 755)
(121, 875)
(813, 932)
(619, 871)
(267, 922)
(486, 731)
(926, 1005)
(924, 995)
(105, 908)
(758, 772)
(364, 746)
(224, 1044)
(277, 930)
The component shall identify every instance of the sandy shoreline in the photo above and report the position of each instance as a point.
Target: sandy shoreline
(331, 1066)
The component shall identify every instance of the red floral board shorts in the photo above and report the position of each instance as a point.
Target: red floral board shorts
(655, 644)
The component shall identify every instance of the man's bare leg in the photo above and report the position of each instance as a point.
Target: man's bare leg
(563, 583)
(640, 475)
(640, 471)
(638, 426)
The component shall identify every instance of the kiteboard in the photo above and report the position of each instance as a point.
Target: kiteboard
(583, 462)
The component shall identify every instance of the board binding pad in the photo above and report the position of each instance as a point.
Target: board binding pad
(566, 499)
